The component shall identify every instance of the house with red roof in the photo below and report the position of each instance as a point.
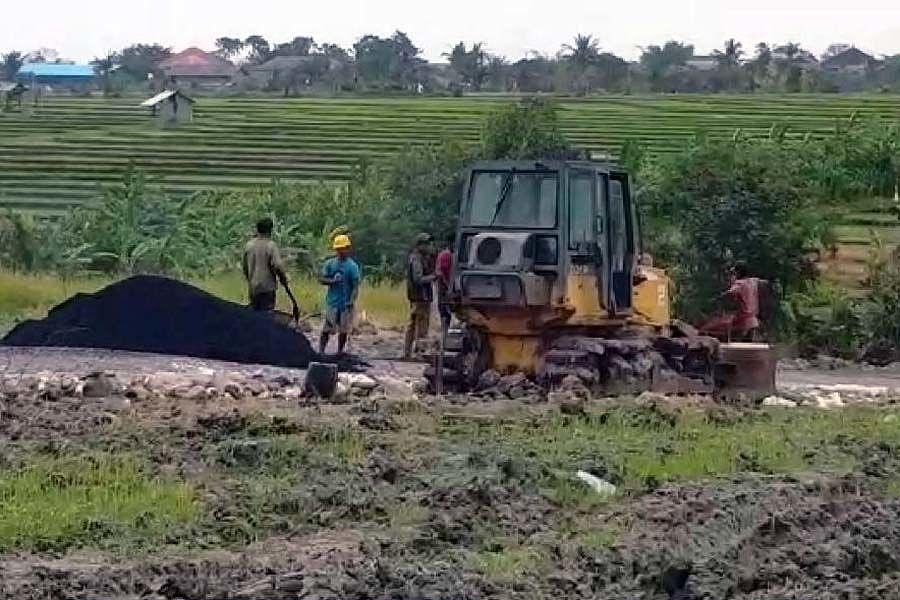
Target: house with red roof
(194, 68)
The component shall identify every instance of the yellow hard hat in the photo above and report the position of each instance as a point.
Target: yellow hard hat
(341, 242)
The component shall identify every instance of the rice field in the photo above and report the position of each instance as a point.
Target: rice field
(55, 155)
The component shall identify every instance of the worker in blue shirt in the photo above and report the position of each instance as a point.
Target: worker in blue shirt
(342, 276)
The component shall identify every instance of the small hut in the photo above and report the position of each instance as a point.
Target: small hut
(170, 108)
(12, 92)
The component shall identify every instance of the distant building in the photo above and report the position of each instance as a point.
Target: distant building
(278, 71)
(57, 75)
(170, 108)
(197, 69)
(803, 59)
(851, 60)
(702, 63)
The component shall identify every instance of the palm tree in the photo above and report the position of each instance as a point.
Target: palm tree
(103, 67)
(731, 56)
(789, 71)
(583, 52)
(760, 65)
(789, 51)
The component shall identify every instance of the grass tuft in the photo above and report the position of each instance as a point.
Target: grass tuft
(509, 563)
(637, 451)
(30, 296)
(55, 504)
(342, 443)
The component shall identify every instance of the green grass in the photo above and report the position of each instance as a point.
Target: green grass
(345, 445)
(640, 447)
(69, 144)
(22, 294)
(54, 504)
(509, 563)
(28, 296)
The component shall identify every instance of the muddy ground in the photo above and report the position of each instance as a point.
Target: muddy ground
(386, 494)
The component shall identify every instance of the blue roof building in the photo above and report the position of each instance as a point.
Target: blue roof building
(56, 74)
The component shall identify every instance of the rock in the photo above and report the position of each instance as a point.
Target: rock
(601, 486)
(322, 381)
(586, 376)
(164, 380)
(362, 382)
(832, 400)
(890, 419)
(567, 402)
(97, 385)
(488, 379)
(517, 392)
(196, 392)
(292, 393)
(511, 381)
(779, 401)
(234, 389)
(50, 393)
(650, 398)
(261, 589)
(341, 394)
(137, 392)
(421, 387)
(397, 388)
(256, 387)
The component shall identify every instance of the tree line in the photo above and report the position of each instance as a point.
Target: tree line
(581, 66)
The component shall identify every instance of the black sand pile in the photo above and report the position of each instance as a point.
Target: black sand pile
(162, 315)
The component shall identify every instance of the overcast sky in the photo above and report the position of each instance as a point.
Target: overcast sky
(82, 29)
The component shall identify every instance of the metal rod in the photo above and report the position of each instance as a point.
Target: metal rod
(439, 375)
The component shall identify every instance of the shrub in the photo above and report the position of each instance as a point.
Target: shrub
(881, 311)
(527, 130)
(719, 202)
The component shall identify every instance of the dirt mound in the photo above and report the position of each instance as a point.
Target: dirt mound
(754, 540)
(157, 314)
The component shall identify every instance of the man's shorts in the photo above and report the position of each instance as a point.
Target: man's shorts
(263, 301)
(338, 321)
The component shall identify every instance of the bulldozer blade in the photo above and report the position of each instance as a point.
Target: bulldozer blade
(745, 372)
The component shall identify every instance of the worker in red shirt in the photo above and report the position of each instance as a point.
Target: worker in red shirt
(444, 266)
(745, 291)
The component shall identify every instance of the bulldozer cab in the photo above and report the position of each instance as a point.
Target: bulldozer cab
(558, 235)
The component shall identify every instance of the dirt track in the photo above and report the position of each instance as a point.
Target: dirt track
(885, 381)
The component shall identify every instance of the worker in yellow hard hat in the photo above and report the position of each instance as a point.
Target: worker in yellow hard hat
(342, 276)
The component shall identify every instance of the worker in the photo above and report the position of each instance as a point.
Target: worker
(342, 276)
(444, 267)
(263, 269)
(420, 277)
(745, 291)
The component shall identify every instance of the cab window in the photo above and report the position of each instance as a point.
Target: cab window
(581, 214)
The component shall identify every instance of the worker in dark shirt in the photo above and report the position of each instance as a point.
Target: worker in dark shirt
(263, 269)
(420, 278)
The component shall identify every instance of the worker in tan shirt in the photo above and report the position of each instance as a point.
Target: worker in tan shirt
(263, 269)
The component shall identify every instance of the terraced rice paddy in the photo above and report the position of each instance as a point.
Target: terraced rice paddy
(58, 154)
(55, 155)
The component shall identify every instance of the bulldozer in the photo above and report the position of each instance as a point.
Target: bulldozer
(549, 279)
